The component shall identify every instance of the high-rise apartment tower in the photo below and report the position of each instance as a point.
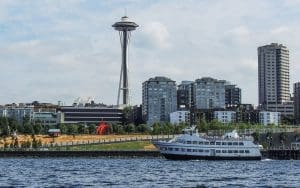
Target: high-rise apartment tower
(273, 75)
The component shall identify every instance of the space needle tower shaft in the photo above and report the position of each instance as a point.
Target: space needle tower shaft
(125, 26)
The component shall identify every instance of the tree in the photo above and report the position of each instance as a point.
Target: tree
(28, 128)
(127, 112)
(255, 136)
(92, 129)
(37, 128)
(142, 128)
(81, 128)
(130, 128)
(72, 129)
(63, 128)
(4, 126)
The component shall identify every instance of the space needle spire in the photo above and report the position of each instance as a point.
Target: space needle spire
(125, 26)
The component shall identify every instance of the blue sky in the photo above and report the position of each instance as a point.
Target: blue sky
(53, 50)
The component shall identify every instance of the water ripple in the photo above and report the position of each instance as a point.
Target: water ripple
(140, 172)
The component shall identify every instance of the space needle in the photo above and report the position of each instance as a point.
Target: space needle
(125, 26)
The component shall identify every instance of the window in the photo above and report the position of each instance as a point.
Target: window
(235, 151)
(201, 143)
(229, 143)
(235, 143)
(176, 149)
(218, 151)
(241, 151)
(224, 143)
(194, 150)
(206, 151)
(182, 149)
(212, 143)
(224, 151)
(170, 149)
(194, 142)
(206, 143)
(188, 142)
(189, 150)
(200, 150)
(229, 151)
(247, 151)
(241, 143)
(218, 143)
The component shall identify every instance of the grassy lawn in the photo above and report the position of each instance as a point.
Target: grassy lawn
(137, 145)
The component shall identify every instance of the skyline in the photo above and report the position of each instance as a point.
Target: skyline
(57, 51)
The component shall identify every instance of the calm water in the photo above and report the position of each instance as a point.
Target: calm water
(141, 172)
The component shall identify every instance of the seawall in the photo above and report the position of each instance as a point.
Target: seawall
(130, 154)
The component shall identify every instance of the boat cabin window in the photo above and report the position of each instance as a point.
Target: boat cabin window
(170, 149)
(218, 151)
(206, 143)
(194, 142)
(218, 143)
(229, 151)
(212, 143)
(182, 149)
(201, 143)
(176, 149)
(235, 151)
(235, 143)
(188, 142)
(229, 143)
(194, 150)
(224, 143)
(224, 151)
(200, 150)
(189, 150)
(247, 151)
(241, 151)
(241, 143)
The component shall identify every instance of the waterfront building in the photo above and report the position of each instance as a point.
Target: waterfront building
(225, 116)
(16, 112)
(75, 114)
(297, 102)
(182, 116)
(185, 95)
(209, 93)
(159, 99)
(273, 76)
(233, 95)
(268, 118)
(45, 118)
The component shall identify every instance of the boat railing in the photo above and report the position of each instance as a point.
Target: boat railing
(213, 138)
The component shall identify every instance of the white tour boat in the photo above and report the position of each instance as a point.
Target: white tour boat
(191, 146)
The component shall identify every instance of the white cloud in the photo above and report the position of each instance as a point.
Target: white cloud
(156, 35)
(282, 30)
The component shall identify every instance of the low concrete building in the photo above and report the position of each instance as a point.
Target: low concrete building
(74, 114)
(268, 118)
(225, 116)
(180, 117)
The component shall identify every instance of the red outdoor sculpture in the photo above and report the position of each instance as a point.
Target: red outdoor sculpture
(103, 128)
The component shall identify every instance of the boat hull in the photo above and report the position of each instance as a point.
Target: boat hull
(198, 157)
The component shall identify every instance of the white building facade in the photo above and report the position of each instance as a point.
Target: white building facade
(180, 117)
(268, 118)
(225, 116)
